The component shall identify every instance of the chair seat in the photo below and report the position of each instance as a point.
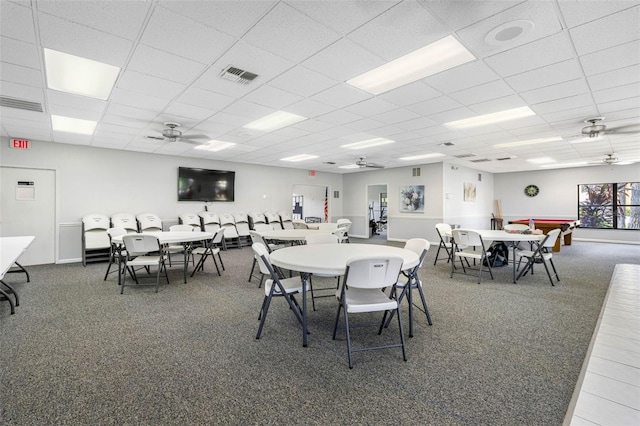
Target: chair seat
(144, 261)
(471, 254)
(364, 300)
(291, 285)
(203, 250)
(529, 253)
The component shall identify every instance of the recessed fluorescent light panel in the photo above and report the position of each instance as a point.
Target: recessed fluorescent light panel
(275, 121)
(80, 76)
(368, 143)
(556, 165)
(528, 142)
(541, 160)
(495, 117)
(300, 157)
(436, 57)
(72, 125)
(215, 146)
(422, 157)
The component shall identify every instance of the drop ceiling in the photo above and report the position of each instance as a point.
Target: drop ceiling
(573, 60)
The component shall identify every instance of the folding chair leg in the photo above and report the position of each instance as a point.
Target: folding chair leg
(11, 290)
(263, 314)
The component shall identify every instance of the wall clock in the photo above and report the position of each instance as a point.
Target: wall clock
(531, 190)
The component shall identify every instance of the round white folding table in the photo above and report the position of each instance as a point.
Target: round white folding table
(290, 234)
(331, 259)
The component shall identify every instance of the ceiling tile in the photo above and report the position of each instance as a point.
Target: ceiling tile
(402, 29)
(302, 39)
(302, 81)
(579, 12)
(232, 17)
(459, 14)
(158, 63)
(481, 93)
(541, 14)
(122, 19)
(341, 96)
(563, 104)
(545, 76)
(20, 75)
(610, 59)
(616, 93)
(369, 107)
(531, 56)
(343, 60)
(556, 91)
(607, 32)
(149, 85)
(614, 78)
(272, 97)
(462, 77)
(16, 22)
(204, 98)
(184, 37)
(19, 53)
(74, 39)
(435, 105)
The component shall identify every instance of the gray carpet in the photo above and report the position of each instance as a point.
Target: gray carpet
(78, 352)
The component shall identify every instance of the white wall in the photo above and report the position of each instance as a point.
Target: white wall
(558, 197)
(400, 226)
(97, 180)
(468, 214)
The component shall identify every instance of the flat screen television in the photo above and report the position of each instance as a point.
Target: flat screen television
(205, 185)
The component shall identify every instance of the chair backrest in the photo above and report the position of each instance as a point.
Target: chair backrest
(273, 219)
(218, 236)
(181, 228)
(467, 237)
(190, 219)
(551, 238)
(321, 238)
(259, 227)
(420, 246)
(94, 227)
(516, 227)
(344, 223)
(227, 221)
(95, 221)
(341, 233)
(257, 238)
(242, 224)
(149, 222)
(262, 256)
(372, 272)
(443, 229)
(298, 224)
(139, 245)
(125, 221)
(210, 222)
(116, 232)
(256, 218)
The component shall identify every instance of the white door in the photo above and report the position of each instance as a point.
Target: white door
(28, 208)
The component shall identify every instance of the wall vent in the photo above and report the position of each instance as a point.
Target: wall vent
(480, 160)
(20, 104)
(416, 171)
(336, 194)
(237, 75)
(465, 155)
(504, 158)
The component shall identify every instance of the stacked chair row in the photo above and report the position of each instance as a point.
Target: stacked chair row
(96, 243)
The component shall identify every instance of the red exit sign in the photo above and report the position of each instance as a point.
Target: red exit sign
(20, 143)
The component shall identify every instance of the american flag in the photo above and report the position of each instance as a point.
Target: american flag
(326, 204)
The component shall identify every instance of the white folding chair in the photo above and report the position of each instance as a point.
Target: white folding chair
(211, 248)
(242, 226)
(346, 225)
(116, 253)
(285, 219)
(142, 250)
(190, 219)
(362, 291)
(95, 241)
(543, 253)
(273, 219)
(126, 221)
(444, 232)
(409, 280)
(474, 248)
(275, 287)
(256, 218)
(149, 222)
(257, 238)
(231, 236)
(179, 248)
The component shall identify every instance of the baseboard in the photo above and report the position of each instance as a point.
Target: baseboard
(593, 240)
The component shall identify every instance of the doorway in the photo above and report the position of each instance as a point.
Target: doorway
(28, 208)
(313, 203)
(377, 206)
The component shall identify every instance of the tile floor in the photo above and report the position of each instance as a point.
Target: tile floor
(609, 391)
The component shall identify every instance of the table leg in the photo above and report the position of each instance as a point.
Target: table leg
(513, 247)
(304, 277)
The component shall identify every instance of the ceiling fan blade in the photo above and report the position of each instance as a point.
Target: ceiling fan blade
(374, 166)
(157, 138)
(623, 132)
(191, 136)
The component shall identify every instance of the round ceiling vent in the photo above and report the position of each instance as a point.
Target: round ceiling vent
(509, 32)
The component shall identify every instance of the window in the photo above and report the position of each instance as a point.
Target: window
(609, 205)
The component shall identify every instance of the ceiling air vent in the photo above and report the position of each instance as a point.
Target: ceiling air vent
(237, 75)
(20, 104)
(464, 155)
(480, 160)
(504, 158)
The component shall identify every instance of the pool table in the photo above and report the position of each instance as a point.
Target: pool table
(566, 226)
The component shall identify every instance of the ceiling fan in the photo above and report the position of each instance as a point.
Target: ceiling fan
(596, 128)
(364, 164)
(171, 134)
